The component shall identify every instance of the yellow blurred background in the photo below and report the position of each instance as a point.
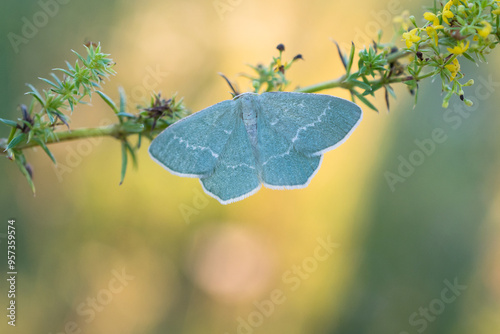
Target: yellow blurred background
(348, 254)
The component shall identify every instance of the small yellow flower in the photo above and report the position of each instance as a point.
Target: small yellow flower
(497, 11)
(431, 17)
(447, 14)
(448, 5)
(486, 30)
(455, 2)
(459, 49)
(454, 68)
(431, 31)
(410, 37)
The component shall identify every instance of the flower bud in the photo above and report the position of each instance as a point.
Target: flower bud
(468, 83)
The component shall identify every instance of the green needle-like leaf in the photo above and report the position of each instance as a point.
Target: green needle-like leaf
(132, 154)
(123, 100)
(351, 59)
(79, 57)
(108, 101)
(49, 82)
(45, 148)
(126, 114)
(468, 56)
(8, 122)
(20, 138)
(36, 94)
(124, 162)
(365, 101)
(21, 164)
(361, 85)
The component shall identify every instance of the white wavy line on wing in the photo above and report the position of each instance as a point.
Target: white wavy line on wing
(194, 147)
(240, 165)
(278, 155)
(310, 125)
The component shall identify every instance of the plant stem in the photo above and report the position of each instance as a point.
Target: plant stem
(118, 131)
(335, 83)
(340, 82)
(113, 130)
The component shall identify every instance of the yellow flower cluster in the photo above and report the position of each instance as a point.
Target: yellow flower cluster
(454, 68)
(448, 22)
(411, 36)
(432, 29)
(497, 11)
(447, 13)
(486, 30)
(459, 49)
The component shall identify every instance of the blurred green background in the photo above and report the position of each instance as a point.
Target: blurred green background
(348, 254)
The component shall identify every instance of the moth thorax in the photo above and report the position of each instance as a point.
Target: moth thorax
(249, 114)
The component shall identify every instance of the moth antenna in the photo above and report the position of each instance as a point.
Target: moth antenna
(235, 92)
